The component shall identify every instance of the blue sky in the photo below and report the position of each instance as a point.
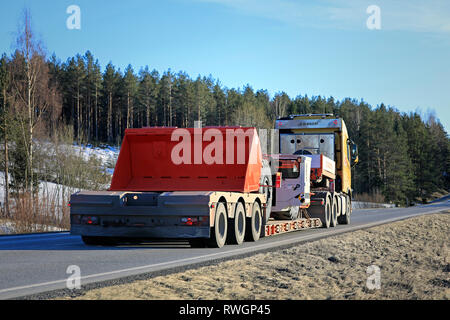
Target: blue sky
(300, 47)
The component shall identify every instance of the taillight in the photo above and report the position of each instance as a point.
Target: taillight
(195, 221)
(188, 221)
(278, 180)
(90, 220)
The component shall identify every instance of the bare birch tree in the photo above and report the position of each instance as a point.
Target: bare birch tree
(34, 97)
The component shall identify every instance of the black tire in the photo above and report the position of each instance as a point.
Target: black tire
(90, 241)
(197, 243)
(236, 232)
(345, 219)
(98, 241)
(334, 209)
(322, 212)
(327, 214)
(339, 208)
(266, 180)
(292, 214)
(254, 224)
(219, 231)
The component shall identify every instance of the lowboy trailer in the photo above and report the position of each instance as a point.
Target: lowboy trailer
(213, 186)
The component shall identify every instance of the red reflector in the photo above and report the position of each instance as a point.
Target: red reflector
(195, 221)
(189, 221)
(278, 180)
(89, 220)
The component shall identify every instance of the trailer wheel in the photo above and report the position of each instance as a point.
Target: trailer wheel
(98, 241)
(236, 233)
(334, 210)
(254, 224)
(266, 180)
(219, 231)
(197, 243)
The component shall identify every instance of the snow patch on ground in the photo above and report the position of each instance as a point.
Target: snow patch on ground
(106, 154)
(9, 227)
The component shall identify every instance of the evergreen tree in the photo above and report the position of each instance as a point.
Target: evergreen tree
(110, 83)
(147, 94)
(75, 76)
(96, 83)
(130, 87)
(220, 101)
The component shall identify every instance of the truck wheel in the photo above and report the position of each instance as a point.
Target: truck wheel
(236, 233)
(219, 231)
(345, 219)
(323, 212)
(254, 224)
(328, 212)
(339, 207)
(266, 180)
(334, 211)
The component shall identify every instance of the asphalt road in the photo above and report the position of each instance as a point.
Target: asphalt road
(32, 264)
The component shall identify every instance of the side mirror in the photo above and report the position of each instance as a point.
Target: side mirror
(354, 154)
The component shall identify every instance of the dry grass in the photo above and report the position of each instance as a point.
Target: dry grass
(413, 257)
(40, 214)
(375, 197)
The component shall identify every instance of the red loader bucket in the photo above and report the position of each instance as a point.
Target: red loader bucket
(189, 159)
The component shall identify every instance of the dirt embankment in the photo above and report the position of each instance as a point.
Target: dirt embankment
(412, 256)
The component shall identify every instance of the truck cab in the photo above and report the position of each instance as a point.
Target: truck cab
(325, 134)
(323, 138)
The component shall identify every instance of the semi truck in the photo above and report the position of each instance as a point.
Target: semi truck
(323, 138)
(213, 185)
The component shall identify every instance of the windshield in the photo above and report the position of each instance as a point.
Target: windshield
(289, 169)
